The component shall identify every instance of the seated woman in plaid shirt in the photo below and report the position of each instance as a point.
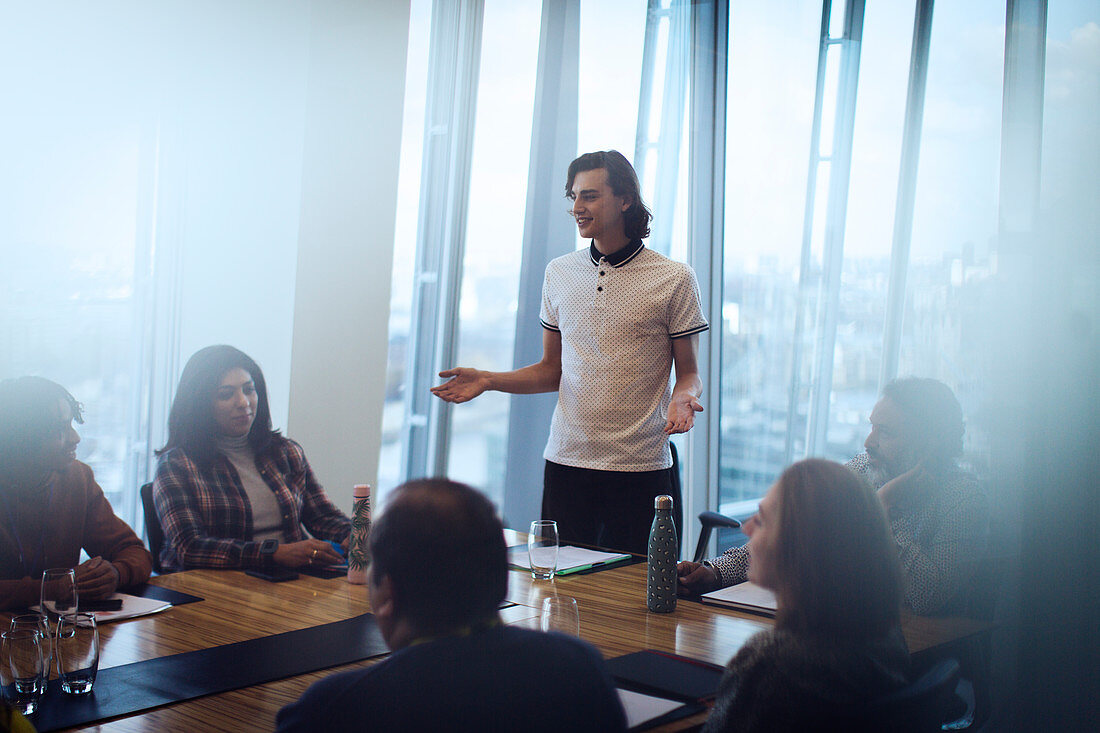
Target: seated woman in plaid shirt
(231, 492)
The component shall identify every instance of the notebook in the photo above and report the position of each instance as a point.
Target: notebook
(666, 675)
(570, 559)
(744, 597)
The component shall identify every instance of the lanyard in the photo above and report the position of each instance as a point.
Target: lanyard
(41, 534)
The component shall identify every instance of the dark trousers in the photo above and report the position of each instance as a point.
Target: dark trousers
(611, 509)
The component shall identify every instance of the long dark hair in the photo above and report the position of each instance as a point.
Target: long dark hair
(28, 417)
(837, 564)
(191, 421)
(623, 182)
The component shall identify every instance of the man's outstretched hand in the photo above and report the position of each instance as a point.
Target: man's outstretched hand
(463, 384)
(681, 413)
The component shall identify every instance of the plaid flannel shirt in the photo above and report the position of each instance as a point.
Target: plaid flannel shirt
(207, 518)
(940, 538)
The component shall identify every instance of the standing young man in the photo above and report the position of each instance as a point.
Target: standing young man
(617, 319)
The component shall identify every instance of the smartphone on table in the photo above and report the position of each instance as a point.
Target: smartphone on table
(273, 575)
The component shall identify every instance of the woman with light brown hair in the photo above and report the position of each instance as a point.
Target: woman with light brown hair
(819, 541)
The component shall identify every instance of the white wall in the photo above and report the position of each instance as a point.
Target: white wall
(231, 122)
(279, 165)
(345, 245)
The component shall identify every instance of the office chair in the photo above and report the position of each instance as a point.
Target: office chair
(975, 653)
(677, 498)
(152, 527)
(710, 520)
(919, 707)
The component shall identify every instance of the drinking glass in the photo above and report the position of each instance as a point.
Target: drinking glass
(58, 595)
(77, 648)
(22, 672)
(542, 549)
(38, 622)
(560, 613)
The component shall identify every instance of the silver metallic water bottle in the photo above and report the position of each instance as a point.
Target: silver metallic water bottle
(661, 590)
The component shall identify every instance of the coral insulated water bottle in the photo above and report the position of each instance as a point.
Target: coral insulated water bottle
(358, 555)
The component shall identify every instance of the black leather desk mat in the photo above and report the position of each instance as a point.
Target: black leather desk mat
(175, 597)
(666, 675)
(670, 676)
(132, 688)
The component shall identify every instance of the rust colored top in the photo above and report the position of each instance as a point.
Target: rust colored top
(53, 525)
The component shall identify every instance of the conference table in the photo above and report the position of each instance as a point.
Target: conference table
(236, 607)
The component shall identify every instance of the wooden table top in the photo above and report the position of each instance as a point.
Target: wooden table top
(238, 607)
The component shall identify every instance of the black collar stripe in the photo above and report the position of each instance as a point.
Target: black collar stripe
(619, 257)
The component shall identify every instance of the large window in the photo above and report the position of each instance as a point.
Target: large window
(494, 234)
(149, 206)
(404, 245)
(1070, 183)
(776, 388)
(955, 238)
(73, 229)
(68, 303)
(495, 213)
(772, 65)
(857, 194)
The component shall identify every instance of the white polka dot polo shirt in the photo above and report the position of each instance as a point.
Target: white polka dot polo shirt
(617, 317)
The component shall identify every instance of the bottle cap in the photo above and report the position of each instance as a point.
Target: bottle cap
(664, 501)
(360, 491)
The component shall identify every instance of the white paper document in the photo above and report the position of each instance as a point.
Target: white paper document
(132, 606)
(643, 708)
(743, 596)
(570, 559)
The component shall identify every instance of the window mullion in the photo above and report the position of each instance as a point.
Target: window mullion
(453, 66)
(907, 190)
(706, 232)
(828, 289)
(658, 154)
(547, 233)
(1022, 120)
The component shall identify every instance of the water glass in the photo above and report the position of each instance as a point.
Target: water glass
(22, 671)
(58, 595)
(38, 623)
(542, 549)
(560, 613)
(77, 648)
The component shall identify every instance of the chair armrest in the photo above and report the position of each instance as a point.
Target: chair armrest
(714, 519)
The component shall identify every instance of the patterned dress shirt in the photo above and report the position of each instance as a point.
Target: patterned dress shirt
(941, 538)
(207, 518)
